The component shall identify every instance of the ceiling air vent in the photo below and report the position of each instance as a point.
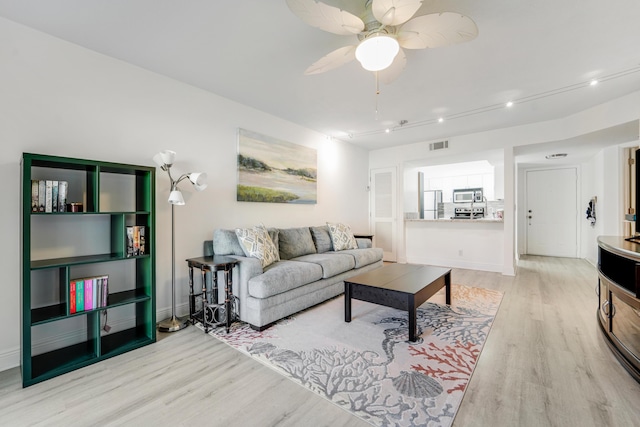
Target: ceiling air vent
(438, 145)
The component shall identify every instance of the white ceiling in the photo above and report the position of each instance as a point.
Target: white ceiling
(255, 52)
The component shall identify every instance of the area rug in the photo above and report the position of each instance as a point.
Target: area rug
(367, 366)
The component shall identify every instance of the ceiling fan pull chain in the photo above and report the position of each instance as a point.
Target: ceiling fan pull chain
(377, 93)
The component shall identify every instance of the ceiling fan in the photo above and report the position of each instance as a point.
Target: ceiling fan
(383, 28)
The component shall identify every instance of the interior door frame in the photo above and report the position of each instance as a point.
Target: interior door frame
(526, 202)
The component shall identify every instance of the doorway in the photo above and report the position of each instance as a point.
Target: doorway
(383, 211)
(552, 212)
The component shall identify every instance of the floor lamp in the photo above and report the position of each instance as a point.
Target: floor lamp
(165, 159)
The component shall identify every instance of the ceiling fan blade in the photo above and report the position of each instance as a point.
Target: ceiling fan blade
(436, 30)
(392, 72)
(333, 60)
(325, 17)
(394, 12)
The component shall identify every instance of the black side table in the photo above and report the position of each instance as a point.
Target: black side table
(209, 314)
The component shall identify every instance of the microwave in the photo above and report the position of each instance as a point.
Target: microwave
(467, 195)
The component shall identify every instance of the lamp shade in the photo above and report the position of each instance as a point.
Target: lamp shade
(168, 157)
(377, 52)
(199, 180)
(157, 159)
(175, 198)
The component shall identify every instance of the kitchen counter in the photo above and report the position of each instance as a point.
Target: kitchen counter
(480, 220)
(474, 244)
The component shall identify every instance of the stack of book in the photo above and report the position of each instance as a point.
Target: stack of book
(136, 240)
(88, 293)
(48, 195)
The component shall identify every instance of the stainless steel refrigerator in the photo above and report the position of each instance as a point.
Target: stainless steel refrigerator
(433, 207)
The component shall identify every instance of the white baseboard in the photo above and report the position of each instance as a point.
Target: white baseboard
(451, 263)
(10, 358)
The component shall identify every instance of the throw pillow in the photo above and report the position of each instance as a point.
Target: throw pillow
(295, 242)
(225, 242)
(321, 238)
(256, 243)
(342, 237)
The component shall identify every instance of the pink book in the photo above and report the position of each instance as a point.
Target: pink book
(88, 294)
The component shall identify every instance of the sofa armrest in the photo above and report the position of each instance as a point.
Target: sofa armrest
(363, 243)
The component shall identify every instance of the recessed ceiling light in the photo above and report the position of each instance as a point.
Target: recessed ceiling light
(593, 82)
(440, 120)
(387, 130)
(510, 104)
(556, 156)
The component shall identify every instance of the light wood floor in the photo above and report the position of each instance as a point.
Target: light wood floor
(544, 364)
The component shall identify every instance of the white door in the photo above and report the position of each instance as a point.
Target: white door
(383, 211)
(551, 212)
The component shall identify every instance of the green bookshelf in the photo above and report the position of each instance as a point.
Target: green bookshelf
(60, 246)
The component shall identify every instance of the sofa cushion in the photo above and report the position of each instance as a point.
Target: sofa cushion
(341, 237)
(225, 242)
(321, 238)
(257, 243)
(332, 264)
(283, 276)
(295, 242)
(362, 257)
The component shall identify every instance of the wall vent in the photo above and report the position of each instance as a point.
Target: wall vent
(438, 145)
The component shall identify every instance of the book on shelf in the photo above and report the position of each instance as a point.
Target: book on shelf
(105, 291)
(88, 293)
(62, 195)
(136, 240)
(129, 241)
(49, 195)
(72, 297)
(42, 195)
(96, 287)
(34, 195)
(79, 295)
(48, 204)
(141, 240)
(54, 196)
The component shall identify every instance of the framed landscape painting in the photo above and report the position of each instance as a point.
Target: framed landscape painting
(275, 171)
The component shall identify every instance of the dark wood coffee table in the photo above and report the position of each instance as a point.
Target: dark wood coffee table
(401, 286)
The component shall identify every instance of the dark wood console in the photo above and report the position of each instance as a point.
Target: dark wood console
(619, 299)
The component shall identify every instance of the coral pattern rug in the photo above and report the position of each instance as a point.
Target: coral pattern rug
(367, 366)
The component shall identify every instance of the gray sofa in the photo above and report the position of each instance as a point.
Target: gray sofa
(308, 273)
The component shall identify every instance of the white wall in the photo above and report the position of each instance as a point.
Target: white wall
(60, 99)
(592, 186)
(474, 246)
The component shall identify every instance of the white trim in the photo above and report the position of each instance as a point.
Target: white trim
(10, 359)
(449, 263)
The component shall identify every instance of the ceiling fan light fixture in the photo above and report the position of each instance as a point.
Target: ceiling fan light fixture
(377, 52)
